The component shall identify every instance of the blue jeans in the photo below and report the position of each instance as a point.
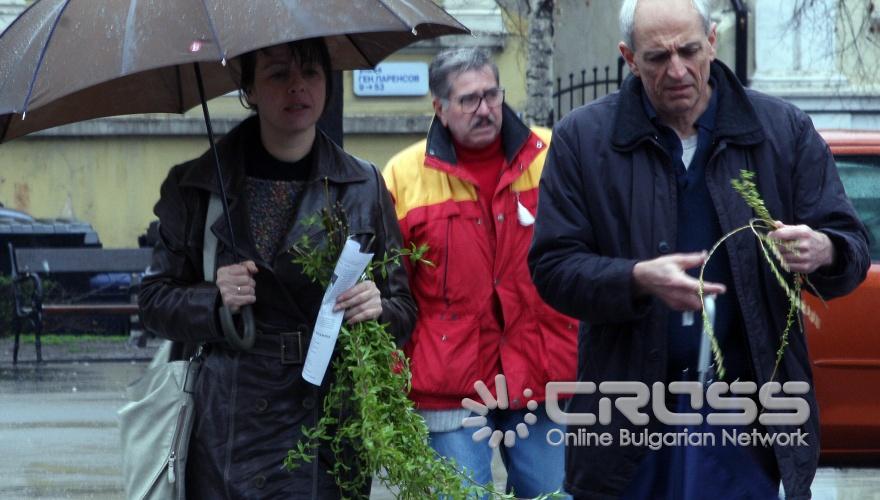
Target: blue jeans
(533, 466)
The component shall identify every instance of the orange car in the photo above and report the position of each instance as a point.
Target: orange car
(845, 351)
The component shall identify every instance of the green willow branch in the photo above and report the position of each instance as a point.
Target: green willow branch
(367, 409)
(761, 226)
(717, 355)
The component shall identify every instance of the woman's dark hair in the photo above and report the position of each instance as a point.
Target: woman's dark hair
(308, 51)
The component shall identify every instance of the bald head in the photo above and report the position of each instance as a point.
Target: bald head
(629, 9)
(671, 51)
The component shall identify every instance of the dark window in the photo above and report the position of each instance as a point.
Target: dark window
(861, 179)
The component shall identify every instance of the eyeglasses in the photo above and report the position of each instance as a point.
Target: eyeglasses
(471, 102)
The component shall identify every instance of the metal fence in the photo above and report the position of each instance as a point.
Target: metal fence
(579, 92)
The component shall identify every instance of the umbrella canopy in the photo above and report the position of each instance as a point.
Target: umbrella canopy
(63, 61)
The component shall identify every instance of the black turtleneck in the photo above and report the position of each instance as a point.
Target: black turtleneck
(262, 165)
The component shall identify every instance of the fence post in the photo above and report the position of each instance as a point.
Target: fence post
(557, 113)
(573, 87)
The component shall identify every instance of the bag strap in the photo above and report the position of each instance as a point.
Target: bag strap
(209, 245)
(180, 350)
(209, 262)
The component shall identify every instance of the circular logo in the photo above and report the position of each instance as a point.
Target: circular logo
(490, 402)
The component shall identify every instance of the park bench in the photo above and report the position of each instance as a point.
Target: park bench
(27, 264)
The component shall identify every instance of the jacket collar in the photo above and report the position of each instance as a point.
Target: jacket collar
(514, 134)
(735, 122)
(329, 162)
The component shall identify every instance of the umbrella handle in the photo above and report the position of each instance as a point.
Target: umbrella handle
(246, 341)
(240, 342)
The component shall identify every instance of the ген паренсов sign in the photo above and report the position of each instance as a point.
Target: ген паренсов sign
(392, 79)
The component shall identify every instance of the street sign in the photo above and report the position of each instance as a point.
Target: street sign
(392, 79)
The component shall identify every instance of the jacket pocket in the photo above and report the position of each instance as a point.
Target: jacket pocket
(559, 336)
(444, 356)
(468, 265)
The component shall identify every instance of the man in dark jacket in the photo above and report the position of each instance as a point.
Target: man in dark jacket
(636, 187)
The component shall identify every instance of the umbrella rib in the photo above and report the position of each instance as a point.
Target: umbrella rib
(398, 16)
(220, 51)
(40, 61)
(7, 30)
(128, 49)
(17, 19)
(358, 49)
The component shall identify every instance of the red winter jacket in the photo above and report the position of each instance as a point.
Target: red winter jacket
(457, 340)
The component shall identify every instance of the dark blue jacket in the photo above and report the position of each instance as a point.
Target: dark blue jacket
(608, 200)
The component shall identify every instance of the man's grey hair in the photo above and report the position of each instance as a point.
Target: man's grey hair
(452, 62)
(628, 16)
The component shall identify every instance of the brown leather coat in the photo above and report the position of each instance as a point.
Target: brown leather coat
(250, 408)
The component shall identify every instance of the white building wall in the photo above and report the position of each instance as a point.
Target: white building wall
(802, 63)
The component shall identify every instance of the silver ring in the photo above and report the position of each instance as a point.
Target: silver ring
(238, 289)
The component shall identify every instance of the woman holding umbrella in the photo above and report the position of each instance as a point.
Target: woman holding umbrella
(277, 169)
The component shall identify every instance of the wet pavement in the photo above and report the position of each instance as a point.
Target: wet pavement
(59, 435)
(58, 430)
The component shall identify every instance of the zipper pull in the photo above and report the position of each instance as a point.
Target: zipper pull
(172, 476)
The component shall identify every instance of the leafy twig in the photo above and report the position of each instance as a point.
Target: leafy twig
(366, 408)
(761, 226)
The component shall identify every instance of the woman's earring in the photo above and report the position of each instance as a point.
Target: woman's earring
(243, 100)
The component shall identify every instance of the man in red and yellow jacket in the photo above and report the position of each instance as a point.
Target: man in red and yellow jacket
(469, 191)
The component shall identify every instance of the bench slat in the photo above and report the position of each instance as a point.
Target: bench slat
(55, 309)
(83, 260)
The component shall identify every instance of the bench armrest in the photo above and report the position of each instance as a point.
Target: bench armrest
(36, 298)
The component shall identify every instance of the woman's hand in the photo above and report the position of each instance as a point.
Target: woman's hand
(237, 285)
(361, 302)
